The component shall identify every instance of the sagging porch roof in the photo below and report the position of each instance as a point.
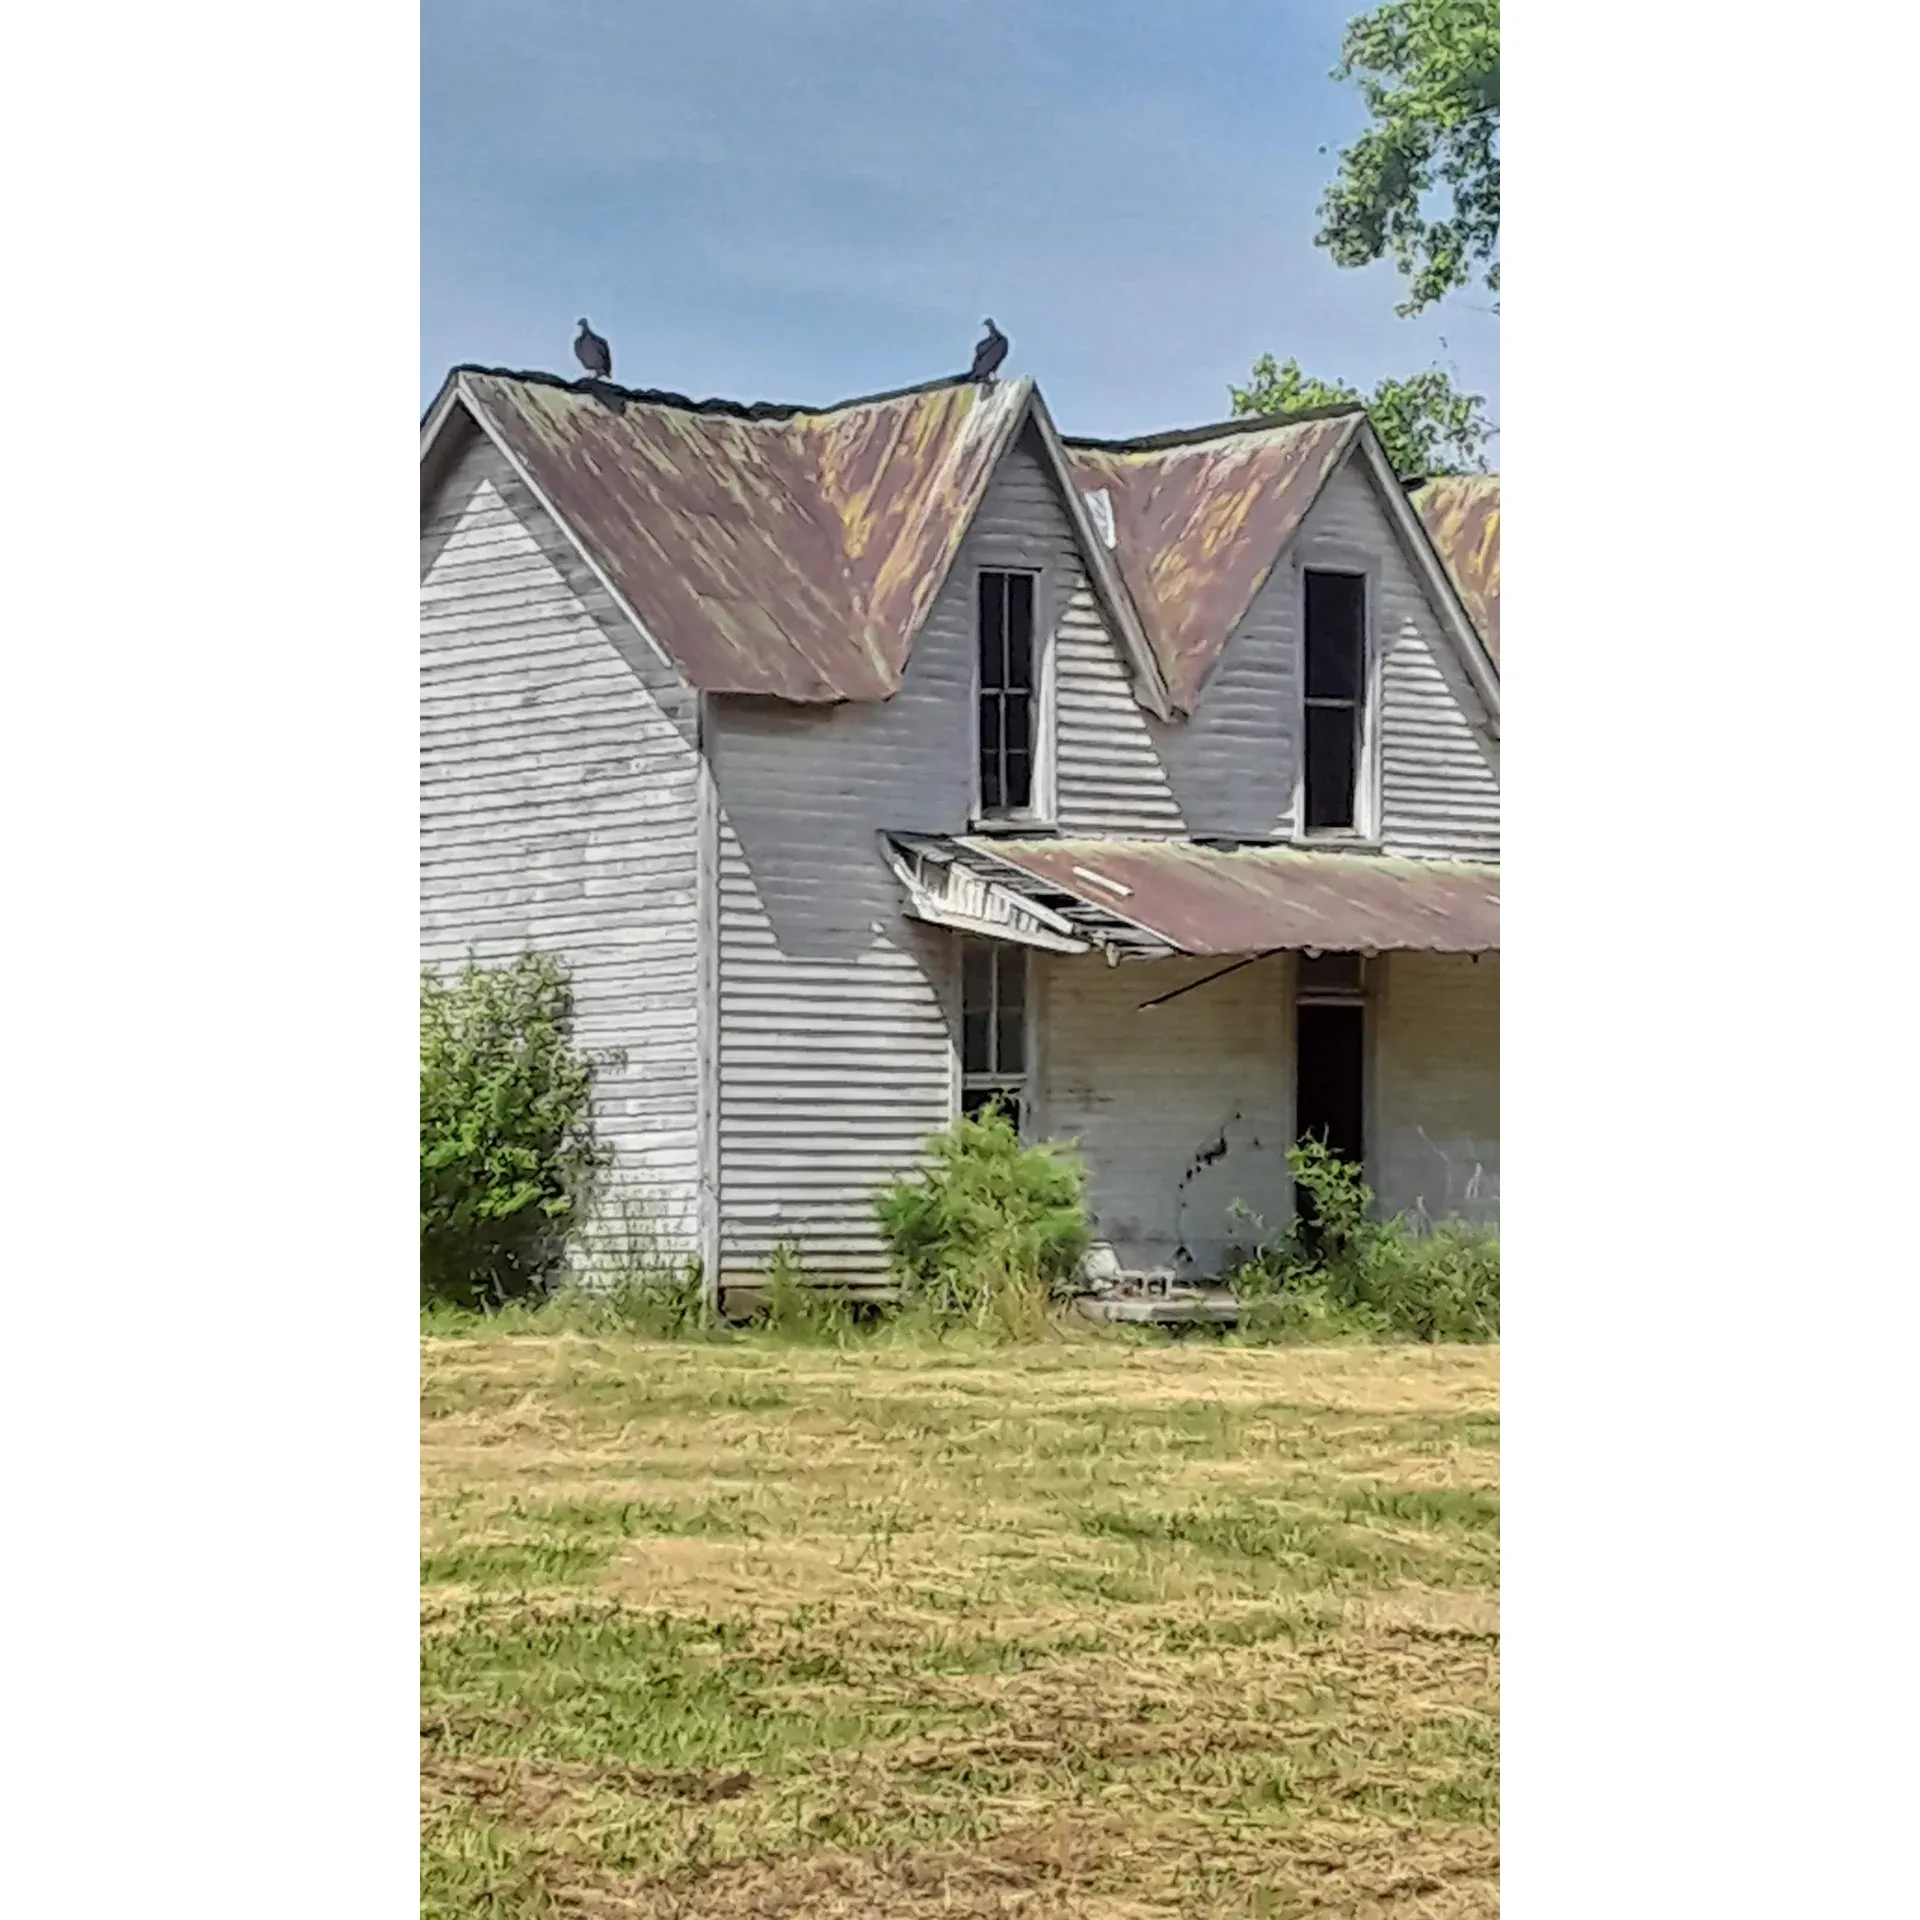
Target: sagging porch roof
(1151, 899)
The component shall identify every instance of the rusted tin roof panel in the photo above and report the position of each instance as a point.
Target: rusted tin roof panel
(1206, 900)
(769, 551)
(1462, 518)
(1198, 524)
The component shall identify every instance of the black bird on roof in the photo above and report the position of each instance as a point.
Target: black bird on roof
(595, 355)
(989, 353)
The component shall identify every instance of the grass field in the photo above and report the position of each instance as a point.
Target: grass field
(1078, 1629)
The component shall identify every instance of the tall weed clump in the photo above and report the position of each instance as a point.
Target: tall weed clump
(1338, 1270)
(508, 1158)
(988, 1232)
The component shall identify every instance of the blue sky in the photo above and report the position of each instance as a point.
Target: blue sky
(805, 199)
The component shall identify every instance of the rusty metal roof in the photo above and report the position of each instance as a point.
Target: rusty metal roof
(1200, 518)
(1146, 898)
(1462, 517)
(768, 550)
(794, 552)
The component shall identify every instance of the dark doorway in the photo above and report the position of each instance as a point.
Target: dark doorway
(1330, 1066)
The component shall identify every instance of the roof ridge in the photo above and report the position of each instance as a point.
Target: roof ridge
(1219, 430)
(752, 410)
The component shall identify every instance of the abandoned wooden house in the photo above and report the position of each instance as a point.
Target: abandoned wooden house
(870, 762)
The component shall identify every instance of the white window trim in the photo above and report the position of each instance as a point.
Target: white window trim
(1365, 832)
(1022, 1084)
(1043, 809)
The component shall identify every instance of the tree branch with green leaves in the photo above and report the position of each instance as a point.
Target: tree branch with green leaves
(1425, 423)
(1429, 71)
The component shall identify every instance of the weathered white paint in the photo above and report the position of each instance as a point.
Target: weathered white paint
(558, 811)
(1234, 764)
(944, 893)
(1439, 775)
(1235, 760)
(1434, 1142)
(836, 1036)
(835, 1056)
(1181, 1111)
(1107, 776)
(789, 1030)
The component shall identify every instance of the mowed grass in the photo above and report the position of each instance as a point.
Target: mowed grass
(1087, 1629)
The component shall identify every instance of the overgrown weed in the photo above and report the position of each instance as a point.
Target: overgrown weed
(1339, 1272)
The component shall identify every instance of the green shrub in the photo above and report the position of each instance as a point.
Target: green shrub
(508, 1158)
(989, 1231)
(1439, 1285)
(1341, 1271)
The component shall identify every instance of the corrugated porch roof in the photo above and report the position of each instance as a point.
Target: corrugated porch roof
(1150, 899)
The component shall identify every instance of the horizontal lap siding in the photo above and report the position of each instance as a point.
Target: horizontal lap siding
(1234, 759)
(1435, 1147)
(558, 811)
(834, 1070)
(1439, 782)
(1108, 778)
(836, 1034)
(1179, 1112)
(835, 1051)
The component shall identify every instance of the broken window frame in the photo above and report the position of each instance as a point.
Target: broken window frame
(1364, 705)
(982, 1078)
(1038, 807)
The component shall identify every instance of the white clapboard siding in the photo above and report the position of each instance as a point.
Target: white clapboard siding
(1435, 1140)
(836, 1038)
(1235, 759)
(1439, 781)
(833, 1072)
(558, 812)
(1181, 1111)
(834, 1048)
(1108, 777)
(1235, 762)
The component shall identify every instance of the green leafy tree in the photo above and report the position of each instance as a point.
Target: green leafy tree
(1429, 71)
(1425, 423)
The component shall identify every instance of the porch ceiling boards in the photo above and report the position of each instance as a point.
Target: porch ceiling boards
(1148, 899)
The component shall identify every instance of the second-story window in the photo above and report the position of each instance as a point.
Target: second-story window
(1009, 693)
(1336, 682)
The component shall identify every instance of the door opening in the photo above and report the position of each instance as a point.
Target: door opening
(1329, 1073)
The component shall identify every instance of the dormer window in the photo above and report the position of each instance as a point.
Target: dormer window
(1334, 749)
(1011, 696)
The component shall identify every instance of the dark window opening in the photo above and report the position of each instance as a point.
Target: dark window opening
(993, 1030)
(1329, 1070)
(1336, 655)
(1008, 700)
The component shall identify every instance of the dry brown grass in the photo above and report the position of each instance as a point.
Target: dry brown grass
(1085, 1630)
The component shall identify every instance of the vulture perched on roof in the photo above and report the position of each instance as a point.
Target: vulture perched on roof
(989, 353)
(595, 355)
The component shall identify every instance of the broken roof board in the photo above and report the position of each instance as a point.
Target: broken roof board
(1461, 514)
(1216, 901)
(1200, 521)
(793, 555)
